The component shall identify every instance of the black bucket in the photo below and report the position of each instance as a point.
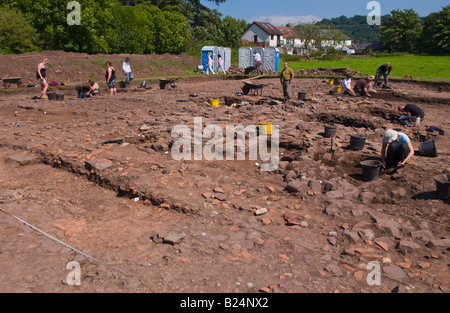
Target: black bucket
(357, 142)
(442, 186)
(143, 84)
(59, 97)
(330, 131)
(371, 170)
(51, 96)
(332, 92)
(428, 149)
(301, 96)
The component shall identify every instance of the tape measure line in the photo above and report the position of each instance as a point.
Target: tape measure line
(65, 244)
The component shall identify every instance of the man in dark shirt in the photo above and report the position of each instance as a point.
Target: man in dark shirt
(412, 110)
(384, 70)
(362, 85)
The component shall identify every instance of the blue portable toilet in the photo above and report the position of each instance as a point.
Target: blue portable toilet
(271, 59)
(214, 51)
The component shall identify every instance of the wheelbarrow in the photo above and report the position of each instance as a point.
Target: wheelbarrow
(253, 89)
(164, 82)
(12, 80)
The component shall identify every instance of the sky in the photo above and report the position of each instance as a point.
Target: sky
(282, 12)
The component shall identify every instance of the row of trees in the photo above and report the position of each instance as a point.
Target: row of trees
(113, 26)
(405, 31)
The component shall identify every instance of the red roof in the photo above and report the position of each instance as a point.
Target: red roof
(287, 32)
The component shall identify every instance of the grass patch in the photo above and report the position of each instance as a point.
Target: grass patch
(424, 68)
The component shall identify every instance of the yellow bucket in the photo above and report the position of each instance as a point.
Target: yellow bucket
(265, 128)
(214, 102)
(330, 82)
(338, 89)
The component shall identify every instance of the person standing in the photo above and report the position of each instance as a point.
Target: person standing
(127, 70)
(220, 68)
(41, 75)
(286, 77)
(258, 63)
(383, 71)
(209, 66)
(111, 78)
(397, 149)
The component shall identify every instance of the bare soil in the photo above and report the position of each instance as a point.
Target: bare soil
(147, 223)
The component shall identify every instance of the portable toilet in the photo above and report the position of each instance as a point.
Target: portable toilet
(214, 51)
(245, 57)
(271, 59)
(227, 58)
(260, 50)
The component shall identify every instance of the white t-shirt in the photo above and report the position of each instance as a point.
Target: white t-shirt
(126, 67)
(257, 57)
(347, 84)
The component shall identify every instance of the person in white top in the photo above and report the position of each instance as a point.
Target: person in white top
(209, 66)
(127, 70)
(348, 89)
(258, 63)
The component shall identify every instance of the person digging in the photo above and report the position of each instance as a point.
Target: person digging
(396, 151)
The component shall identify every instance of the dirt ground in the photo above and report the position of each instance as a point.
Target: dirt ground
(136, 220)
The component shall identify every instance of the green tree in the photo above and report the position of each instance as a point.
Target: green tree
(402, 31)
(16, 33)
(229, 32)
(436, 32)
(49, 18)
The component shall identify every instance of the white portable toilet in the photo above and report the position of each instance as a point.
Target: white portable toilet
(260, 50)
(271, 59)
(245, 57)
(214, 51)
(227, 58)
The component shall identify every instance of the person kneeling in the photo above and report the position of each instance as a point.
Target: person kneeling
(397, 149)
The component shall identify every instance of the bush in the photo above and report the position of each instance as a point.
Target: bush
(16, 34)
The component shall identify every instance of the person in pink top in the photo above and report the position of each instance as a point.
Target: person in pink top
(220, 61)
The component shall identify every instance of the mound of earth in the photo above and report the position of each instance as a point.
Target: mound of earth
(76, 68)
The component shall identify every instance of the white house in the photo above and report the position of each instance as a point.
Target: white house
(340, 41)
(263, 35)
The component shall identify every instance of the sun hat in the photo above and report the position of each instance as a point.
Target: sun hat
(390, 136)
(371, 77)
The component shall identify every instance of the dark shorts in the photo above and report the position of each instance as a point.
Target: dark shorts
(112, 83)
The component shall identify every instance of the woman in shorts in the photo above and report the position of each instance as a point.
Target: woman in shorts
(111, 78)
(41, 76)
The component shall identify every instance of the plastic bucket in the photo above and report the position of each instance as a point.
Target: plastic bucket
(332, 92)
(59, 97)
(338, 89)
(442, 186)
(301, 96)
(214, 102)
(265, 128)
(357, 142)
(370, 170)
(51, 96)
(330, 82)
(330, 131)
(143, 84)
(428, 149)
